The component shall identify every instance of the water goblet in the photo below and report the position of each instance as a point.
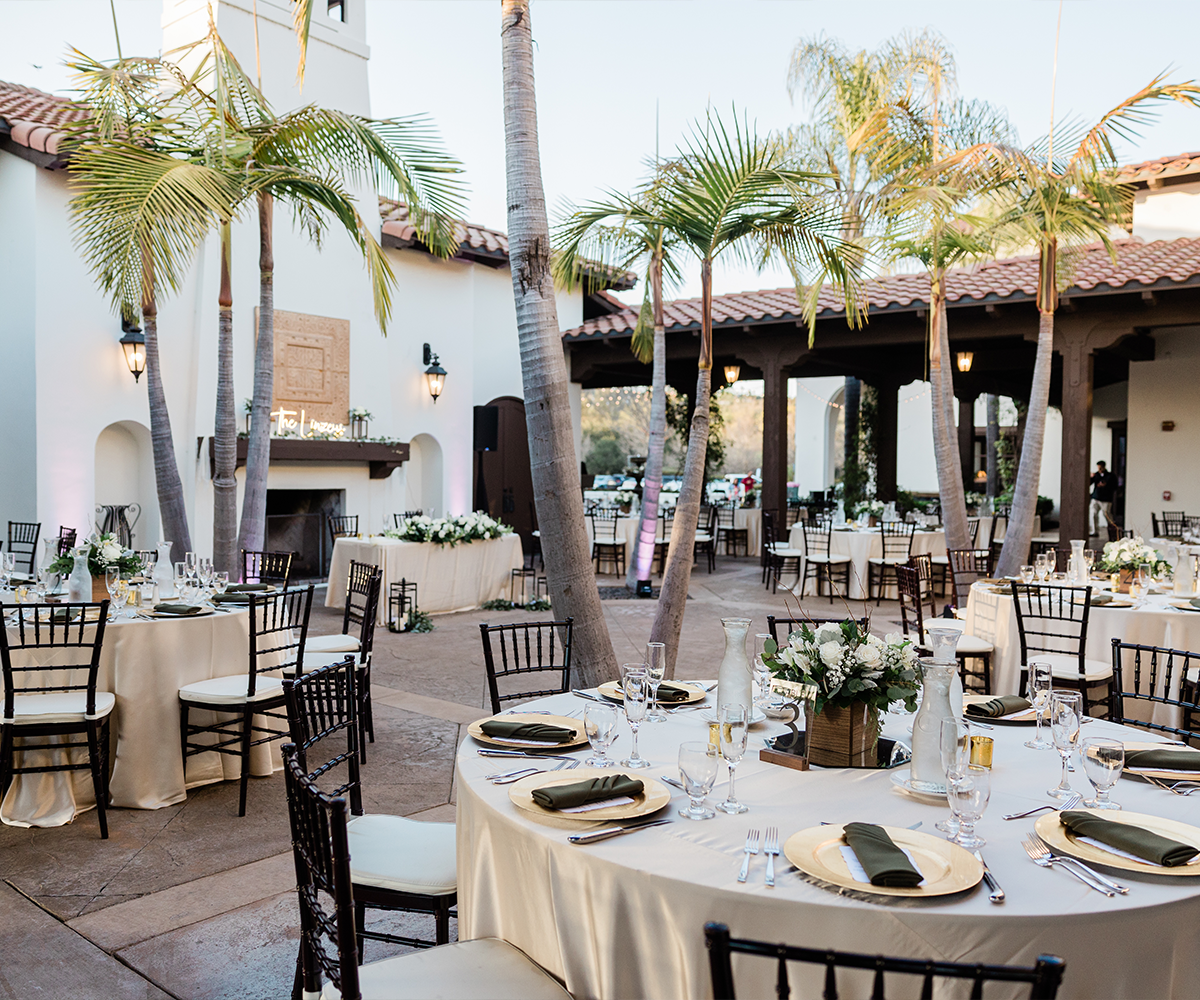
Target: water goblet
(1041, 684)
(955, 747)
(120, 596)
(600, 727)
(968, 793)
(1039, 566)
(1064, 725)
(733, 747)
(205, 572)
(698, 763)
(220, 581)
(656, 666)
(112, 576)
(1027, 574)
(636, 689)
(1103, 761)
(1089, 559)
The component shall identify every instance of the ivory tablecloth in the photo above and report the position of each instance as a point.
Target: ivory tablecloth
(861, 546)
(749, 518)
(625, 917)
(145, 663)
(448, 577)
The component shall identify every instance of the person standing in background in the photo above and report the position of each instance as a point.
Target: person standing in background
(1104, 486)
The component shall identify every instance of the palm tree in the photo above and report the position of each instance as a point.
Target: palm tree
(1059, 206)
(543, 367)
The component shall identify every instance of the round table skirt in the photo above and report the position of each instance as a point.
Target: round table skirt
(862, 546)
(625, 917)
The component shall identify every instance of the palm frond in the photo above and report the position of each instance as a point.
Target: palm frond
(1126, 118)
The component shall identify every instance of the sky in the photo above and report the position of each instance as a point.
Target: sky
(615, 75)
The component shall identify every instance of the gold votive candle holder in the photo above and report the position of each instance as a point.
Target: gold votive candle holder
(981, 750)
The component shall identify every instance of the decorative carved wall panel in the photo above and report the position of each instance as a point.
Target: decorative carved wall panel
(312, 365)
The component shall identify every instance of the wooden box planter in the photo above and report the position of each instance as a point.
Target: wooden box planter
(843, 737)
(99, 589)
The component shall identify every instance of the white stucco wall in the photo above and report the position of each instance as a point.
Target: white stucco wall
(1167, 213)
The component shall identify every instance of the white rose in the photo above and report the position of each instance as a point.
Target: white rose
(831, 653)
(893, 639)
(110, 552)
(828, 633)
(868, 655)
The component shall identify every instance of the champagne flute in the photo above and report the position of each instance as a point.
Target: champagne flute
(1041, 684)
(189, 563)
(733, 747)
(1064, 724)
(600, 726)
(955, 747)
(1103, 761)
(180, 569)
(969, 793)
(656, 666)
(698, 764)
(635, 688)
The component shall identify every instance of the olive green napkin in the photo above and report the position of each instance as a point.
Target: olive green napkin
(885, 864)
(668, 691)
(228, 598)
(1123, 836)
(1164, 760)
(534, 732)
(1195, 602)
(580, 793)
(246, 588)
(183, 610)
(64, 615)
(1101, 597)
(1004, 705)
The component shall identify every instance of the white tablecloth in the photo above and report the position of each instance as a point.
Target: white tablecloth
(448, 577)
(867, 544)
(145, 663)
(625, 917)
(749, 518)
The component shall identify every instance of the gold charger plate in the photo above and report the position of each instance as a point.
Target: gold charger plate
(1056, 835)
(164, 615)
(612, 691)
(947, 867)
(653, 797)
(46, 611)
(1165, 775)
(550, 720)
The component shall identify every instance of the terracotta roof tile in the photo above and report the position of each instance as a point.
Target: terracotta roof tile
(35, 117)
(396, 224)
(1137, 263)
(1157, 170)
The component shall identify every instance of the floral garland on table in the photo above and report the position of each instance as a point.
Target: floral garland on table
(104, 552)
(449, 530)
(846, 665)
(1130, 553)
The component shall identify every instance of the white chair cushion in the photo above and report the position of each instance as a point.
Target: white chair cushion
(955, 623)
(703, 536)
(331, 644)
(971, 645)
(1066, 666)
(484, 969)
(888, 560)
(403, 854)
(835, 560)
(312, 661)
(789, 553)
(231, 690)
(62, 706)
(940, 560)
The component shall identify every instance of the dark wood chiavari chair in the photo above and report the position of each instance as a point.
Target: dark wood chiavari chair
(606, 547)
(342, 526)
(774, 624)
(266, 567)
(923, 563)
(897, 538)
(778, 557)
(728, 533)
(22, 544)
(399, 519)
(966, 566)
(705, 543)
(1172, 525)
(910, 589)
(820, 562)
(66, 540)
(1156, 675)
(526, 648)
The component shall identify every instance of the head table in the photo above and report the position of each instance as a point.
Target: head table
(625, 917)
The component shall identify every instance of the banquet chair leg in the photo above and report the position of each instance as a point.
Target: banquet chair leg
(6, 759)
(98, 782)
(247, 732)
(183, 733)
(360, 918)
(442, 919)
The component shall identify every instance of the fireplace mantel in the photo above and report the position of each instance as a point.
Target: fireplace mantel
(383, 459)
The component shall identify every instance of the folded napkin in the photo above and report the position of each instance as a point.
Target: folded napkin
(1101, 597)
(885, 864)
(1123, 836)
(1196, 602)
(580, 793)
(669, 691)
(534, 732)
(64, 615)
(228, 598)
(177, 609)
(1004, 705)
(246, 588)
(1164, 760)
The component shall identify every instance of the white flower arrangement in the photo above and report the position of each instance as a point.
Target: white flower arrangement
(624, 497)
(1130, 553)
(866, 508)
(449, 530)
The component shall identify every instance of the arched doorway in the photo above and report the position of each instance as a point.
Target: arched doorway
(835, 435)
(503, 480)
(125, 475)
(423, 484)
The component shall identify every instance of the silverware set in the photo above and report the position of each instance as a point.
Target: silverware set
(1175, 787)
(1040, 853)
(508, 777)
(1070, 803)
(753, 839)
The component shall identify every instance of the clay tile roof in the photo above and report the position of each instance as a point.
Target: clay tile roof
(34, 118)
(1138, 263)
(1157, 170)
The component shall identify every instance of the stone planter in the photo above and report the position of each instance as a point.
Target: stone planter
(843, 737)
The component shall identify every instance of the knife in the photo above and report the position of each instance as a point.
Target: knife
(613, 831)
(590, 697)
(997, 895)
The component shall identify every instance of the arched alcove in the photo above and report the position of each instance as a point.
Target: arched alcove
(125, 474)
(424, 475)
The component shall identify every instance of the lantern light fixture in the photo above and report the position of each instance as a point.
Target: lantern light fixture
(133, 343)
(435, 374)
(964, 360)
(732, 372)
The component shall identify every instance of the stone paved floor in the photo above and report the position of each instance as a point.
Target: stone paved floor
(191, 901)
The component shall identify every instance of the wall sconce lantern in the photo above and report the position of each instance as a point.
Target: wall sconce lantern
(133, 343)
(964, 360)
(435, 374)
(732, 372)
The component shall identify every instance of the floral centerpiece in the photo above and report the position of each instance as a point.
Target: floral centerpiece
(105, 552)
(867, 509)
(624, 499)
(849, 676)
(449, 530)
(1126, 554)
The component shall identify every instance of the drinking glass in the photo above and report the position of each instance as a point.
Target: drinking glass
(120, 595)
(600, 726)
(180, 575)
(1138, 584)
(1027, 574)
(698, 764)
(220, 581)
(206, 573)
(636, 689)
(1039, 566)
(1041, 684)
(148, 558)
(955, 747)
(733, 747)
(112, 576)
(1064, 724)
(1089, 559)
(762, 672)
(189, 563)
(656, 665)
(969, 793)
(1103, 761)
(8, 565)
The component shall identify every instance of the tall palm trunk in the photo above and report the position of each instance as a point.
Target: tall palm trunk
(543, 366)
(172, 510)
(945, 444)
(672, 602)
(993, 436)
(225, 430)
(640, 565)
(252, 534)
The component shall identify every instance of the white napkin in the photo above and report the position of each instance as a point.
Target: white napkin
(620, 800)
(526, 743)
(1091, 841)
(856, 869)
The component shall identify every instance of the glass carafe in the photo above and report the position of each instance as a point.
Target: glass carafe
(735, 680)
(1077, 569)
(927, 773)
(79, 585)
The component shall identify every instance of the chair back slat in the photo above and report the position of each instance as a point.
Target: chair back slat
(322, 710)
(526, 648)
(343, 525)
(818, 539)
(266, 567)
(38, 628)
(897, 539)
(278, 632)
(1153, 676)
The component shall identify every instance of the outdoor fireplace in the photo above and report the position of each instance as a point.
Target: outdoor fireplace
(297, 522)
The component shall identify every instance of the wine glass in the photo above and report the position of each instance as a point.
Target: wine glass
(733, 747)
(1103, 761)
(698, 764)
(955, 747)
(190, 562)
(8, 565)
(1027, 574)
(112, 576)
(762, 672)
(220, 581)
(968, 793)
(656, 665)
(120, 596)
(1089, 560)
(600, 726)
(636, 689)
(205, 572)
(1064, 724)
(180, 569)
(1041, 683)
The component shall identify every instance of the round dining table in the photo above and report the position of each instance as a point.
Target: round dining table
(863, 545)
(625, 917)
(145, 663)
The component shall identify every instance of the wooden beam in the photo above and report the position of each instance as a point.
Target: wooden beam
(1077, 364)
(966, 441)
(887, 397)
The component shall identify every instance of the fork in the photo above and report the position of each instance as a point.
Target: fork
(1173, 788)
(750, 848)
(1070, 803)
(1102, 879)
(1043, 859)
(771, 849)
